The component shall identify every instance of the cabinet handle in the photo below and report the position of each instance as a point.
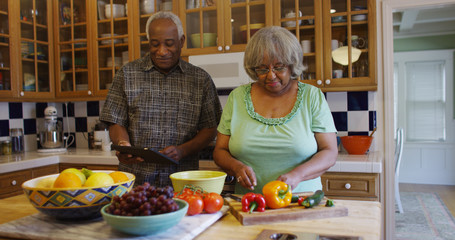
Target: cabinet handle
(21, 93)
(227, 48)
(327, 81)
(319, 82)
(13, 183)
(89, 92)
(220, 48)
(347, 186)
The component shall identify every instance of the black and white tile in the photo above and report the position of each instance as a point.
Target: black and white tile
(354, 113)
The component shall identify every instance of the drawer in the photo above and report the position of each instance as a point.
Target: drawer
(11, 183)
(361, 186)
(46, 170)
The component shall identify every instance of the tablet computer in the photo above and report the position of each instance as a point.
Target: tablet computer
(149, 155)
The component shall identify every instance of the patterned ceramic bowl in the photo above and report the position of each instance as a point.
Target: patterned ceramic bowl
(74, 203)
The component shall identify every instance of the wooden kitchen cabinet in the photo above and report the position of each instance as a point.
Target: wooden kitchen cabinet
(316, 24)
(6, 88)
(228, 23)
(11, 183)
(355, 186)
(74, 71)
(26, 47)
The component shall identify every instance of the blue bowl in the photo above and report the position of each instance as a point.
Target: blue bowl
(146, 225)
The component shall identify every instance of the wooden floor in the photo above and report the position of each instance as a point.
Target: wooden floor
(445, 192)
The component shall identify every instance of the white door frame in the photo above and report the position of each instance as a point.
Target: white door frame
(388, 6)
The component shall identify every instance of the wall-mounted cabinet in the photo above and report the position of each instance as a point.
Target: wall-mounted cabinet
(26, 47)
(82, 44)
(6, 88)
(338, 38)
(222, 26)
(74, 64)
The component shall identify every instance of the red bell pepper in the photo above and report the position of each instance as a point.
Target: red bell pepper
(253, 202)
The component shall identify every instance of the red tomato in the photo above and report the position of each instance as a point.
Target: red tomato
(213, 202)
(195, 202)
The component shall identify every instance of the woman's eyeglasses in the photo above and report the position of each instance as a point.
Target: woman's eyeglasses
(275, 69)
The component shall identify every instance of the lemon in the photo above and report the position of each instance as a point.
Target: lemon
(77, 172)
(99, 179)
(46, 182)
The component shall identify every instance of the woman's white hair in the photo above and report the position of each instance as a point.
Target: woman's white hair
(278, 44)
(165, 15)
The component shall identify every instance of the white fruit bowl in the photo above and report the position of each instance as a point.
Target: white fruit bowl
(74, 203)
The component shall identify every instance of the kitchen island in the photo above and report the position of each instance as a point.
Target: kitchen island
(363, 220)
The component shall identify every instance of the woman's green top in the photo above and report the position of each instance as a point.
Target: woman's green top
(274, 146)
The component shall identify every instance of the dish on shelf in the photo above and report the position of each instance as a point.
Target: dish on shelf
(359, 17)
(81, 87)
(147, 6)
(338, 19)
(253, 29)
(108, 41)
(101, 10)
(118, 10)
(80, 42)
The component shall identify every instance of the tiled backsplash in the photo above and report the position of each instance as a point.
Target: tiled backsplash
(354, 114)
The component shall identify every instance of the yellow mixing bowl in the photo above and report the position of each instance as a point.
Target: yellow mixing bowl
(209, 181)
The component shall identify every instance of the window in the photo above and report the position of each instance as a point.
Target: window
(422, 104)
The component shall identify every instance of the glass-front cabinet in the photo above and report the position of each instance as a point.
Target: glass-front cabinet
(36, 50)
(222, 26)
(73, 49)
(113, 31)
(5, 62)
(338, 40)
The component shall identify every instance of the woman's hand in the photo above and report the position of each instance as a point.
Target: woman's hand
(290, 179)
(245, 176)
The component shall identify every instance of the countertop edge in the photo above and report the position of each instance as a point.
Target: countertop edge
(370, 163)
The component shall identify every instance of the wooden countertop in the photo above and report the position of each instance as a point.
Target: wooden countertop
(364, 220)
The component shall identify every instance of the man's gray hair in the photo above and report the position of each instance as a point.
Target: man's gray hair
(165, 15)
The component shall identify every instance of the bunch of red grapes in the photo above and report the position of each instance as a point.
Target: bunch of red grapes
(144, 200)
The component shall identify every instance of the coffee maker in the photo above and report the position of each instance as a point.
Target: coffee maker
(51, 132)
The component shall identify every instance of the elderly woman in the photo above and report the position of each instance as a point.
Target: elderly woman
(275, 128)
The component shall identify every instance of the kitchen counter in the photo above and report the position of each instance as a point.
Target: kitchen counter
(369, 163)
(364, 220)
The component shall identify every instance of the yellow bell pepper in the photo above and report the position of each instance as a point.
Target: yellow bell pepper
(277, 194)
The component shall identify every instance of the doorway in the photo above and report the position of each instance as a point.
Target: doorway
(389, 7)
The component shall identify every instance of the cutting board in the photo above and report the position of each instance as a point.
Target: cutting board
(293, 212)
(40, 226)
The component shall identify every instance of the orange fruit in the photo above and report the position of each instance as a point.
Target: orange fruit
(67, 180)
(119, 176)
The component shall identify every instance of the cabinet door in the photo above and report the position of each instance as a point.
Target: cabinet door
(222, 26)
(242, 18)
(350, 44)
(6, 88)
(203, 27)
(73, 61)
(304, 19)
(36, 57)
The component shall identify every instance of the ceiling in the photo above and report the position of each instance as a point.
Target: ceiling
(414, 22)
